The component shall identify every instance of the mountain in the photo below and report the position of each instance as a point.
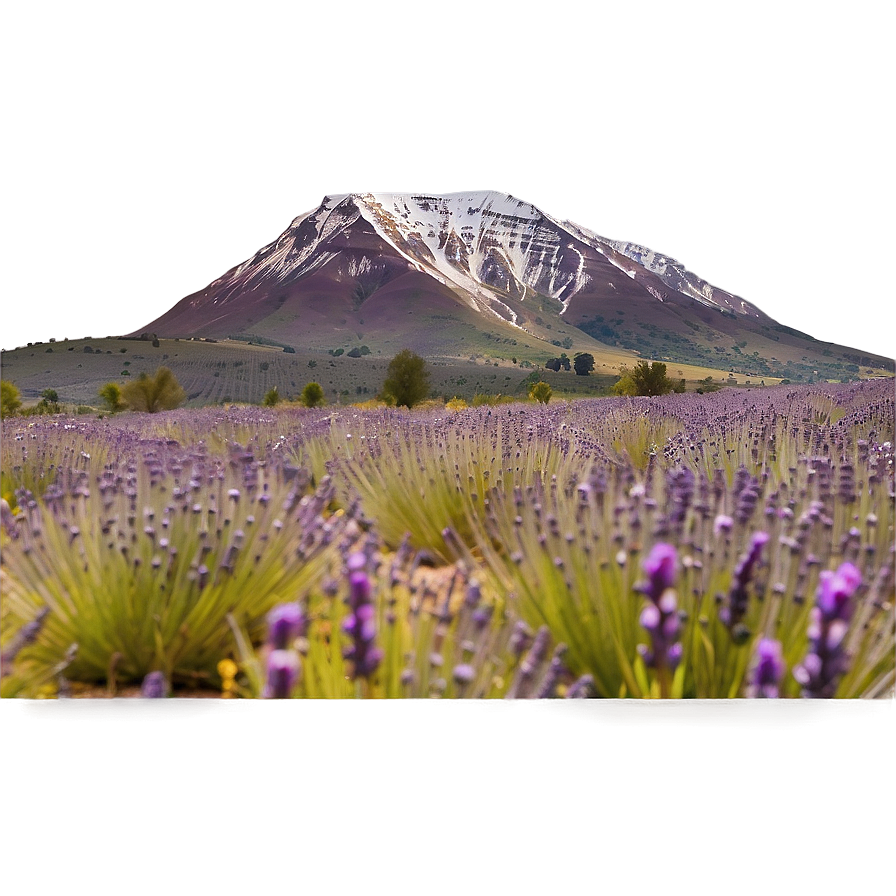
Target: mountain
(484, 271)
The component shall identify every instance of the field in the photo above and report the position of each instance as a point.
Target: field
(233, 371)
(735, 544)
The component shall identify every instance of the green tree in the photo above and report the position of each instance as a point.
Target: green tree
(541, 392)
(644, 379)
(159, 392)
(312, 395)
(110, 395)
(272, 398)
(10, 400)
(407, 379)
(583, 363)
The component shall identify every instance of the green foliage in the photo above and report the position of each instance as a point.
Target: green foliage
(10, 400)
(407, 379)
(645, 379)
(50, 395)
(159, 392)
(312, 395)
(272, 398)
(583, 363)
(707, 385)
(541, 392)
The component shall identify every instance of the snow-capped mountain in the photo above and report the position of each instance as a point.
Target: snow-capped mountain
(442, 273)
(493, 249)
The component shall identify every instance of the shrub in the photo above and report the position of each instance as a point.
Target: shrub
(407, 379)
(312, 395)
(110, 395)
(541, 392)
(272, 398)
(160, 392)
(645, 379)
(10, 400)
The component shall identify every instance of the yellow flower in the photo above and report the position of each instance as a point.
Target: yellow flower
(227, 669)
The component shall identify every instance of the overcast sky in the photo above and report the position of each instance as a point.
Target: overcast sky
(150, 148)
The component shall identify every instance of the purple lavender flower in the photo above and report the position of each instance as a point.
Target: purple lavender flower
(660, 616)
(283, 672)
(660, 568)
(360, 624)
(769, 669)
(735, 609)
(26, 635)
(827, 659)
(581, 688)
(154, 685)
(285, 624)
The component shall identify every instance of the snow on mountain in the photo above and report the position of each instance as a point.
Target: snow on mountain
(495, 255)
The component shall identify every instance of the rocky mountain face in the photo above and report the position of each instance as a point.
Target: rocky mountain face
(438, 270)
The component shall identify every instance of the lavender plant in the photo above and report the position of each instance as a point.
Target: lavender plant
(398, 629)
(140, 562)
(751, 542)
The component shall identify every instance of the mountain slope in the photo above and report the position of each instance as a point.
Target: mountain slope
(447, 275)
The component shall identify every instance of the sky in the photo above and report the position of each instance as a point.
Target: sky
(147, 151)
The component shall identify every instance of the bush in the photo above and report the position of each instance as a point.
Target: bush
(312, 395)
(10, 400)
(407, 379)
(541, 392)
(272, 398)
(160, 392)
(644, 379)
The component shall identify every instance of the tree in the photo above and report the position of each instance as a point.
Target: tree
(583, 363)
(159, 392)
(541, 392)
(110, 394)
(312, 395)
(271, 398)
(10, 401)
(407, 379)
(644, 379)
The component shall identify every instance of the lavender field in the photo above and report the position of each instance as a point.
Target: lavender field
(735, 544)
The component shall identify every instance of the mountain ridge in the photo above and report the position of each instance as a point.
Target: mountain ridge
(390, 265)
